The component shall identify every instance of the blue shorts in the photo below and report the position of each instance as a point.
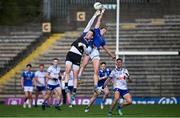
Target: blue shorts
(101, 82)
(40, 88)
(70, 88)
(122, 92)
(52, 87)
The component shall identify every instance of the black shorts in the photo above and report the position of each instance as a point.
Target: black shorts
(70, 88)
(74, 58)
(101, 82)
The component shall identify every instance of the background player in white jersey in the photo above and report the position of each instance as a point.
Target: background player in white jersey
(27, 81)
(98, 42)
(70, 97)
(64, 96)
(119, 77)
(53, 84)
(78, 47)
(104, 73)
(40, 82)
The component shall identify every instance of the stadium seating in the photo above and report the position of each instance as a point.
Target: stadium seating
(15, 40)
(152, 75)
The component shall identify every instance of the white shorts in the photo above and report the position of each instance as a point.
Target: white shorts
(94, 54)
(28, 89)
(70, 82)
(75, 67)
(53, 87)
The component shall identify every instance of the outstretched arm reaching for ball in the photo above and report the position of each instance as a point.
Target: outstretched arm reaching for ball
(98, 23)
(91, 21)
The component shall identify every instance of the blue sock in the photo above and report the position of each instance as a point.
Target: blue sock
(103, 101)
(74, 90)
(58, 103)
(110, 111)
(44, 102)
(119, 107)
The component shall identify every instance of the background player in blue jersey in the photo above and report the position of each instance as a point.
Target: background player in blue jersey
(103, 76)
(27, 80)
(104, 73)
(98, 42)
(73, 57)
(40, 82)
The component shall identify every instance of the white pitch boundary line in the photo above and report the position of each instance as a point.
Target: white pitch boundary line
(147, 53)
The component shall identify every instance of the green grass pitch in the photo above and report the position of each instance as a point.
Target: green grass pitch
(95, 111)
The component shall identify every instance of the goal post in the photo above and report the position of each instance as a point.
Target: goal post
(117, 27)
(123, 53)
(148, 53)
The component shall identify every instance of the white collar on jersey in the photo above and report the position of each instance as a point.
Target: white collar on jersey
(119, 69)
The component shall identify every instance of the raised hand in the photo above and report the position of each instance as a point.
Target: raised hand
(103, 10)
(98, 12)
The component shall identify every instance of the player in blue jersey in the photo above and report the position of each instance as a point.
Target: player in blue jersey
(104, 73)
(27, 81)
(40, 82)
(119, 77)
(53, 84)
(98, 43)
(73, 57)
